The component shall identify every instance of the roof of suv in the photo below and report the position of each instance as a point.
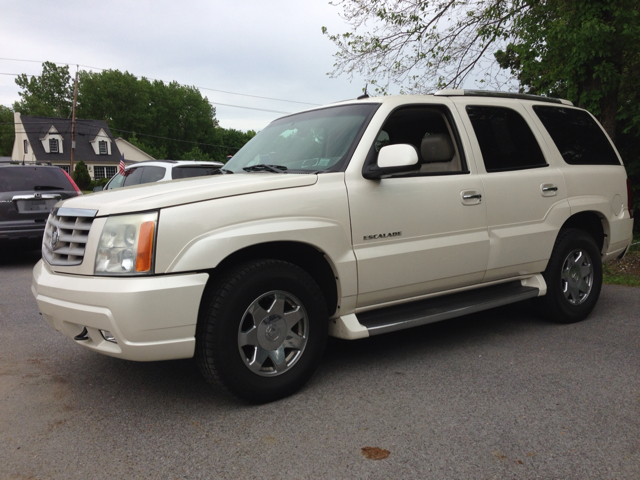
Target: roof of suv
(162, 163)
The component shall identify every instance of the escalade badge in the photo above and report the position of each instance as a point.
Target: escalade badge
(55, 236)
(382, 235)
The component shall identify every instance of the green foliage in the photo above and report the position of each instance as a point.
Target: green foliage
(100, 182)
(157, 152)
(196, 154)
(47, 95)
(7, 131)
(81, 175)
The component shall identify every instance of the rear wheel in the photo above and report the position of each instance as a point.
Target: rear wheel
(262, 332)
(573, 277)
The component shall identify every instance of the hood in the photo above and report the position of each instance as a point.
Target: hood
(152, 196)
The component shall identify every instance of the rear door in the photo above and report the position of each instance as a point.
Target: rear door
(525, 192)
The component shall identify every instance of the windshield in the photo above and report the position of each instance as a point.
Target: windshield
(315, 141)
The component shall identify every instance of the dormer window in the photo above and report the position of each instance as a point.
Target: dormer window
(26, 147)
(53, 145)
(103, 147)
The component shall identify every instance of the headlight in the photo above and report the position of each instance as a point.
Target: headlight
(127, 245)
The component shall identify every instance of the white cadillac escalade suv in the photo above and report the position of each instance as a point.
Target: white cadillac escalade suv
(354, 219)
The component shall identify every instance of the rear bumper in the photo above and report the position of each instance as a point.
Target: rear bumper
(22, 229)
(151, 318)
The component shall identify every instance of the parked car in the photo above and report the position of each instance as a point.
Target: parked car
(28, 193)
(352, 220)
(159, 171)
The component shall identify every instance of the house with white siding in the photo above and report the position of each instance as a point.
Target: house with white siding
(48, 140)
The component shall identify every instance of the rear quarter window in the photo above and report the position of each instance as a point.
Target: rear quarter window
(577, 135)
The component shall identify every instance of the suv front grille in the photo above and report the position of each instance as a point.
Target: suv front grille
(66, 236)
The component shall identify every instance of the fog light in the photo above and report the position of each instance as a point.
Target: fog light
(106, 334)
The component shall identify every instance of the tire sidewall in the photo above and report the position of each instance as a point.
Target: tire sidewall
(245, 285)
(557, 307)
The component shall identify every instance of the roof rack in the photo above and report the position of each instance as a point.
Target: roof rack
(488, 93)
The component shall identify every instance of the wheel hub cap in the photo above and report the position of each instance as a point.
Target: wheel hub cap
(577, 277)
(273, 333)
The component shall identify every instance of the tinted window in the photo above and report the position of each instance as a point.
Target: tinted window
(14, 179)
(506, 141)
(189, 171)
(133, 176)
(150, 175)
(578, 137)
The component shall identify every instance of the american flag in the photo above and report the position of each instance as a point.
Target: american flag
(121, 166)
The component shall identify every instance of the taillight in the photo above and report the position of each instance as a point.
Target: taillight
(630, 197)
(78, 191)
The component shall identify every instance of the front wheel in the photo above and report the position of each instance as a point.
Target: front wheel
(573, 276)
(262, 332)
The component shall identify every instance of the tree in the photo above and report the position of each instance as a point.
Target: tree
(47, 95)
(81, 175)
(419, 45)
(7, 131)
(166, 117)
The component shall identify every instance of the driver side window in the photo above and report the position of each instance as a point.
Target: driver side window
(429, 131)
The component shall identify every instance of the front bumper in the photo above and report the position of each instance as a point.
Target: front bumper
(152, 318)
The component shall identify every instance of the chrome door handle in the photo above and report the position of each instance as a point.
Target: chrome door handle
(549, 189)
(475, 196)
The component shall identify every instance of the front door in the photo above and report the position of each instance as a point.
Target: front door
(418, 233)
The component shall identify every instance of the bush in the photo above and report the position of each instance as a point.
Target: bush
(81, 176)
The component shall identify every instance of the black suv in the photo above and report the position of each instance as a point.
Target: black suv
(27, 195)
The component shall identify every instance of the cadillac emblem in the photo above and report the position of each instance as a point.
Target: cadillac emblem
(55, 236)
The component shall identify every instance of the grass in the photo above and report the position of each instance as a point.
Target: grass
(624, 272)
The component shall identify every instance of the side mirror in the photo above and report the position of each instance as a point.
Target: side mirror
(393, 159)
(99, 188)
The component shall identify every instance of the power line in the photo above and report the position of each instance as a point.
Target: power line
(85, 123)
(248, 108)
(200, 88)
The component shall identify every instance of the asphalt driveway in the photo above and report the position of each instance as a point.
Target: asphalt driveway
(501, 394)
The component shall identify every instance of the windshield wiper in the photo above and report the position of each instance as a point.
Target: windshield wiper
(47, 187)
(261, 167)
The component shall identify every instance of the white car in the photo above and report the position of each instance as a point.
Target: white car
(355, 219)
(160, 171)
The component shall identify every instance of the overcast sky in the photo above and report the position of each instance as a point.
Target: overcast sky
(271, 48)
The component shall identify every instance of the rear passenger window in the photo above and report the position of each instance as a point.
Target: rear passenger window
(578, 137)
(506, 141)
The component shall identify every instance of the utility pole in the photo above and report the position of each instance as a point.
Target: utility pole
(73, 122)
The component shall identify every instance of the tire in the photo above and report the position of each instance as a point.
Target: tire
(262, 331)
(573, 277)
